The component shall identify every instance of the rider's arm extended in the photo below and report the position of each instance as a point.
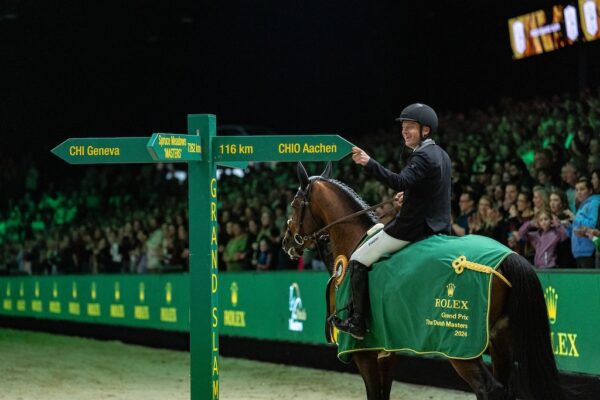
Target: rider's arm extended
(416, 170)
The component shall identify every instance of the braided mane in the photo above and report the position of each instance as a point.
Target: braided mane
(349, 192)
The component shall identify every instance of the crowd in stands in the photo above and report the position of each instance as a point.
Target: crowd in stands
(525, 173)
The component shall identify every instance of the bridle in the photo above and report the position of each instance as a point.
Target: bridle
(302, 200)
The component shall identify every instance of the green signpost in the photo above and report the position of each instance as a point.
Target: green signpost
(202, 150)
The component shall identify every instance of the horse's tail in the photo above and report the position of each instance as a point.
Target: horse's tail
(536, 371)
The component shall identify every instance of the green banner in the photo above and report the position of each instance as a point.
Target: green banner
(573, 301)
(288, 306)
(159, 301)
(276, 306)
(293, 310)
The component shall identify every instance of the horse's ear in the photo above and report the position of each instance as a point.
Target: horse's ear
(327, 173)
(302, 175)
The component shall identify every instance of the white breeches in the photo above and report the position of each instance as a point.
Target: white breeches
(379, 244)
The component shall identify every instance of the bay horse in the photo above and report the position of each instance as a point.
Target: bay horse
(519, 340)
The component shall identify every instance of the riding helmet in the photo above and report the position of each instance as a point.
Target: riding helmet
(421, 113)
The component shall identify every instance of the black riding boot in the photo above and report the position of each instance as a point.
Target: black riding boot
(355, 325)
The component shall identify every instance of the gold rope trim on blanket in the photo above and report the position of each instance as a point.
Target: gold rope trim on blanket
(460, 263)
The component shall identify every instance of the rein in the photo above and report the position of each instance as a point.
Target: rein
(313, 236)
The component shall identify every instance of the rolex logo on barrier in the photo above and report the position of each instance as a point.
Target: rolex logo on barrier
(451, 287)
(117, 310)
(21, 303)
(235, 318)
(141, 311)
(563, 343)
(93, 308)
(7, 304)
(74, 306)
(168, 314)
(54, 304)
(36, 305)
(551, 303)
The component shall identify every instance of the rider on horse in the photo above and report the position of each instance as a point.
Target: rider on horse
(426, 183)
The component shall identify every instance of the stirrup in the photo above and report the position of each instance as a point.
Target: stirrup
(348, 327)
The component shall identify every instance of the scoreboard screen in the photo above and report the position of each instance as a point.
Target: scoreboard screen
(546, 30)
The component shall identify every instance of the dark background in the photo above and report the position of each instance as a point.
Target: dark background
(130, 68)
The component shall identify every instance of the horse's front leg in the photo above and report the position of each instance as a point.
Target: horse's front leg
(366, 362)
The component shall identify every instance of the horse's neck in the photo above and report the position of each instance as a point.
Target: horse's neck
(345, 238)
(346, 235)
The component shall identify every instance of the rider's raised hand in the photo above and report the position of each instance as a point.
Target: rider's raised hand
(399, 199)
(359, 156)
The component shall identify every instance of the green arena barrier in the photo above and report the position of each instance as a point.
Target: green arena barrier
(285, 306)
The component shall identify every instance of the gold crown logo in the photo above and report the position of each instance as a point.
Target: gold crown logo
(142, 291)
(234, 294)
(169, 292)
(451, 287)
(551, 303)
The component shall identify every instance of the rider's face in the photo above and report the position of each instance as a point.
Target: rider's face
(410, 133)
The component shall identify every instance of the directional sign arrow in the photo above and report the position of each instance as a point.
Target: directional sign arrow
(114, 150)
(280, 148)
(175, 147)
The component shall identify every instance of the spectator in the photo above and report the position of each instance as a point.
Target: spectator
(466, 204)
(560, 210)
(540, 199)
(544, 233)
(487, 221)
(595, 178)
(544, 162)
(264, 257)
(593, 163)
(569, 175)
(585, 218)
(511, 192)
(236, 250)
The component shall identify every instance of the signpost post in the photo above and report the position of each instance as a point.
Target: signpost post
(203, 150)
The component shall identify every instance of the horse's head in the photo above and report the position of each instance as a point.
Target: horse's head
(303, 224)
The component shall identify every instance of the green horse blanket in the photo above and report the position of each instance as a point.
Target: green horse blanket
(420, 303)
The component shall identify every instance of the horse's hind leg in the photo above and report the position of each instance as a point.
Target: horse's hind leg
(501, 353)
(387, 362)
(366, 362)
(483, 383)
